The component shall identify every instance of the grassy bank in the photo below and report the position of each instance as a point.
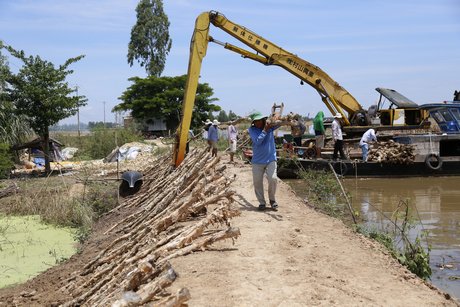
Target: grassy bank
(98, 143)
(62, 201)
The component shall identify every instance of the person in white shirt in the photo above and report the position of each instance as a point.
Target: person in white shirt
(191, 136)
(232, 138)
(338, 137)
(213, 137)
(368, 136)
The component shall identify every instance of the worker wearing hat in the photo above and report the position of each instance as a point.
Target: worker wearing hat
(338, 137)
(206, 126)
(263, 158)
(213, 137)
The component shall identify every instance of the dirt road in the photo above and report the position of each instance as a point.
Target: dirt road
(297, 257)
(291, 257)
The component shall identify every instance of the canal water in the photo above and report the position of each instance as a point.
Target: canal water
(28, 247)
(436, 201)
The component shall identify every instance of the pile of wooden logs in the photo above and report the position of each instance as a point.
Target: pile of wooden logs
(391, 152)
(176, 212)
(286, 120)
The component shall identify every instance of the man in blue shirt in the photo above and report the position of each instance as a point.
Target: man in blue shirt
(213, 137)
(263, 158)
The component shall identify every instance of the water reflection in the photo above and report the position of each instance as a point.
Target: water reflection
(437, 203)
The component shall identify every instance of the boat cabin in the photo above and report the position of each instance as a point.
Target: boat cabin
(446, 115)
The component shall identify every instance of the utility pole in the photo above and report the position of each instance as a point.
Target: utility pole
(78, 116)
(104, 113)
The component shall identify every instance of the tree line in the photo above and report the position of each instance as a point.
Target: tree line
(38, 96)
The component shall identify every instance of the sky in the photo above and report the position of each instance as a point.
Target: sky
(412, 46)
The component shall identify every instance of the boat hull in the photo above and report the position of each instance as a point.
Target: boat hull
(290, 169)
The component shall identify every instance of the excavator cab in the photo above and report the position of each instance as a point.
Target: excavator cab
(401, 110)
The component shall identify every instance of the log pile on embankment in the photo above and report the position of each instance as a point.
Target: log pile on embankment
(176, 212)
(392, 152)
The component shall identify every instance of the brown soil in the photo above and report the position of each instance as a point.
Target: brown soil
(291, 257)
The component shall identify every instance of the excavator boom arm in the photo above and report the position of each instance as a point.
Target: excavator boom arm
(336, 98)
(304, 70)
(198, 47)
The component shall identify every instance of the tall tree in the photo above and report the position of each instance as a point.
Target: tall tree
(210, 116)
(162, 97)
(40, 92)
(14, 128)
(232, 115)
(222, 117)
(4, 70)
(150, 42)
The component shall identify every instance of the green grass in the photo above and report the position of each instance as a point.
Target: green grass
(324, 193)
(99, 143)
(50, 198)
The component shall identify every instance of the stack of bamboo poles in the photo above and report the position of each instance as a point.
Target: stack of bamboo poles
(177, 211)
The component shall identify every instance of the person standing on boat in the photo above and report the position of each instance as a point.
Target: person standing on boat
(318, 126)
(368, 136)
(263, 158)
(338, 137)
(297, 130)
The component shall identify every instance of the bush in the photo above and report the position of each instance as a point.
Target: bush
(6, 161)
(410, 253)
(100, 142)
(324, 192)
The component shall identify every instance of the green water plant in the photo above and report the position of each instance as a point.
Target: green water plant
(323, 192)
(412, 253)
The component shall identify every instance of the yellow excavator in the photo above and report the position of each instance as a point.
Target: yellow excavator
(334, 96)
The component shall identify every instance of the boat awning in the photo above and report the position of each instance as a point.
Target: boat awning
(431, 106)
(396, 98)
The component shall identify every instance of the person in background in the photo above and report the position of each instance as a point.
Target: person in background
(207, 124)
(338, 137)
(297, 130)
(368, 136)
(191, 136)
(318, 126)
(213, 137)
(263, 158)
(232, 138)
